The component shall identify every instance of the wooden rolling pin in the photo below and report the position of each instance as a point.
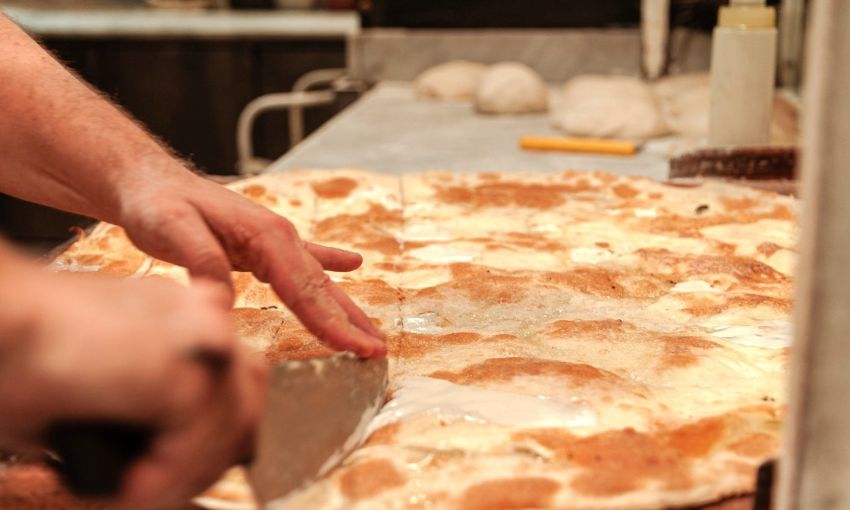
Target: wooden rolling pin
(594, 145)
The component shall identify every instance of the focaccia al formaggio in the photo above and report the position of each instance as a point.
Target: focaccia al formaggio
(572, 340)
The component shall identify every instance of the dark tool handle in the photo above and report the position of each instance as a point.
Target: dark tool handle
(764, 485)
(92, 457)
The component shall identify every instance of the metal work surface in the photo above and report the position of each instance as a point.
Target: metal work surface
(389, 130)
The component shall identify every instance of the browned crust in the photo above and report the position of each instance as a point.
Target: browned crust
(751, 163)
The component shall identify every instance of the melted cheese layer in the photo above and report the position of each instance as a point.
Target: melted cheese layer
(455, 402)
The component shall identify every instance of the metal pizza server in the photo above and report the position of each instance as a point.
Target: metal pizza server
(316, 413)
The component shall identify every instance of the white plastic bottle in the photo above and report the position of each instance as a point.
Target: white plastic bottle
(743, 69)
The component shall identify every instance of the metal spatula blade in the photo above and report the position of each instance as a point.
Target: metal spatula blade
(316, 412)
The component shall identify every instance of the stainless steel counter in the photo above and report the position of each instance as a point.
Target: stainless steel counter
(389, 130)
(112, 18)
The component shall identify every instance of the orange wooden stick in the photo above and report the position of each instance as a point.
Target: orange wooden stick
(595, 145)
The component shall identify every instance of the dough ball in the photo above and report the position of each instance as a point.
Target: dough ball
(451, 81)
(685, 101)
(609, 107)
(511, 87)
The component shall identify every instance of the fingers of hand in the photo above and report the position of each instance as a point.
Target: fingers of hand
(299, 280)
(276, 254)
(316, 307)
(181, 236)
(219, 430)
(355, 314)
(334, 259)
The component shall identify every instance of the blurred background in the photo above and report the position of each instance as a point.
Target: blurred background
(187, 68)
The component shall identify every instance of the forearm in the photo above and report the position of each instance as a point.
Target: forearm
(62, 144)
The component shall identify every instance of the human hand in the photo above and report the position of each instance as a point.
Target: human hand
(190, 221)
(92, 348)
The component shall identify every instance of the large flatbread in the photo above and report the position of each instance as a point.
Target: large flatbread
(573, 340)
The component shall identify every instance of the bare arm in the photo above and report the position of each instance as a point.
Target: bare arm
(64, 146)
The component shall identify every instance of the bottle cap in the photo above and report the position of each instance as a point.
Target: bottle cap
(747, 15)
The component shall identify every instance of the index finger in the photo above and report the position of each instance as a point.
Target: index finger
(281, 260)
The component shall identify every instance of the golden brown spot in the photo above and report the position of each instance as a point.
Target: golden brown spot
(696, 439)
(532, 240)
(459, 338)
(738, 204)
(724, 248)
(781, 212)
(373, 292)
(756, 446)
(655, 195)
(370, 221)
(413, 345)
(482, 284)
(689, 266)
(370, 478)
(603, 244)
(387, 245)
(687, 226)
(700, 306)
(768, 249)
(595, 281)
(682, 351)
(292, 342)
(755, 300)
(254, 191)
(252, 292)
(625, 191)
(259, 194)
(510, 494)
(599, 281)
(366, 231)
(614, 462)
(256, 322)
(395, 343)
(505, 369)
(288, 339)
(511, 194)
(295, 202)
(597, 328)
(489, 176)
(339, 187)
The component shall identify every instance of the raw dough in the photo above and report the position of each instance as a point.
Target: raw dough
(451, 81)
(609, 107)
(511, 87)
(684, 101)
